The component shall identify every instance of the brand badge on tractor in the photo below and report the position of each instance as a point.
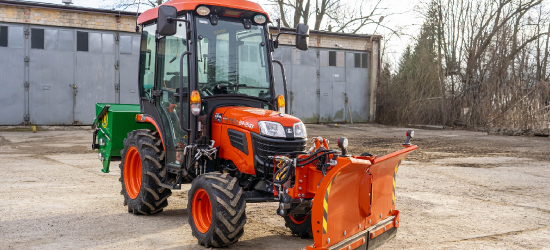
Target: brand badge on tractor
(289, 131)
(218, 117)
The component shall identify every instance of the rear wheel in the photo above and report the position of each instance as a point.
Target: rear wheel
(141, 171)
(299, 225)
(216, 209)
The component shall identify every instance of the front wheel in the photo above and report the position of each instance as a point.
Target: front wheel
(299, 225)
(216, 209)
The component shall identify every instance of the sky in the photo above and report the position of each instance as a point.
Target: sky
(402, 18)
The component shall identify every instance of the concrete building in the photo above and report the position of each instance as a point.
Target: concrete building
(57, 61)
(335, 80)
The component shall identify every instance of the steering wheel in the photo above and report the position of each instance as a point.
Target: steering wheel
(211, 88)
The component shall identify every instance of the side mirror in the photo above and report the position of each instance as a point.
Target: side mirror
(302, 37)
(166, 26)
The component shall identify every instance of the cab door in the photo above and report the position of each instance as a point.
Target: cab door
(170, 50)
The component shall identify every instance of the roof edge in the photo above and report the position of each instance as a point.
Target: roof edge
(190, 5)
(65, 7)
(329, 33)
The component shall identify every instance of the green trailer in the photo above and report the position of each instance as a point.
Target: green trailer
(112, 123)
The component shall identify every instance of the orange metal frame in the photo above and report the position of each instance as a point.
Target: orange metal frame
(245, 120)
(355, 195)
(182, 5)
(244, 162)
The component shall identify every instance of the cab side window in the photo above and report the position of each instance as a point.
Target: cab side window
(147, 61)
(170, 50)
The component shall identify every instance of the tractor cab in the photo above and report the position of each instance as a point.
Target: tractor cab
(198, 57)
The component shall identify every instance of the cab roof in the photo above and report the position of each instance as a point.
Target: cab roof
(182, 5)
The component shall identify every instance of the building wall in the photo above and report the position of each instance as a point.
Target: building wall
(51, 67)
(54, 75)
(315, 93)
(61, 17)
(330, 41)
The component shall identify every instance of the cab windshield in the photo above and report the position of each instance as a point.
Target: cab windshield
(232, 59)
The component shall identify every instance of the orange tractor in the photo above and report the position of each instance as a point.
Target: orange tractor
(209, 115)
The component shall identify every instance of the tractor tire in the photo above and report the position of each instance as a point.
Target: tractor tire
(299, 225)
(216, 209)
(141, 169)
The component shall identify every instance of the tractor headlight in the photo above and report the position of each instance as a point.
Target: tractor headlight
(203, 10)
(300, 130)
(260, 19)
(273, 129)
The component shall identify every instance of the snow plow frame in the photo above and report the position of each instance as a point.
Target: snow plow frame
(344, 217)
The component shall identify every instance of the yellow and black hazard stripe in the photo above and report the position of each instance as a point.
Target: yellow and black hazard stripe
(394, 174)
(325, 205)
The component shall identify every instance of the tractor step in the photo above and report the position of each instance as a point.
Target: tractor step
(255, 196)
(170, 186)
(174, 169)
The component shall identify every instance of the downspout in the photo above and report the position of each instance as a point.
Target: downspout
(377, 77)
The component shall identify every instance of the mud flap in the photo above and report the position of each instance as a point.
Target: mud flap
(355, 203)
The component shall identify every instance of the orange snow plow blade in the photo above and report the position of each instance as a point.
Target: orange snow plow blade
(354, 206)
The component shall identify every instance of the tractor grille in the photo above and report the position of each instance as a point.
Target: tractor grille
(238, 140)
(265, 147)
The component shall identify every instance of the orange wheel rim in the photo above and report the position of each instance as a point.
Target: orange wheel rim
(202, 210)
(298, 219)
(132, 172)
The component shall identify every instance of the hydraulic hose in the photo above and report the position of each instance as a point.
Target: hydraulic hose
(315, 158)
(314, 154)
(285, 172)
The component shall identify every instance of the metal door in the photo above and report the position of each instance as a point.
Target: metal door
(50, 76)
(325, 102)
(332, 70)
(303, 90)
(128, 69)
(339, 102)
(95, 76)
(358, 86)
(12, 79)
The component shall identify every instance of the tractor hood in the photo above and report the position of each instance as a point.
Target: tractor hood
(247, 118)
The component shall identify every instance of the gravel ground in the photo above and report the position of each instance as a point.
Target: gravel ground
(460, 190)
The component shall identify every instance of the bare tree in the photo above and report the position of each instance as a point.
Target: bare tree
(130, 4)
(492, 65)
(332, 15)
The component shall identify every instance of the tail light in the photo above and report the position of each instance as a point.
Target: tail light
(195, 102)
(281, 103)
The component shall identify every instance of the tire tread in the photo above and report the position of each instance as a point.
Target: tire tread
(228, 208)
(152, 198)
